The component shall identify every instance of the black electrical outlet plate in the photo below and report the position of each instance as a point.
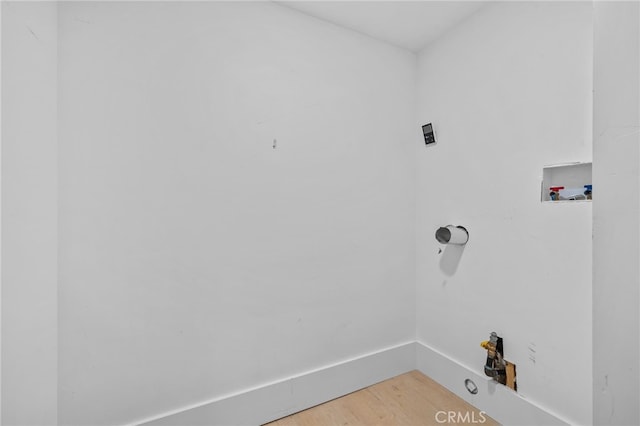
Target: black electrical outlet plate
(429, 136)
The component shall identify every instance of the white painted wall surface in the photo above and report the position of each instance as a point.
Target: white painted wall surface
(509, 91)
(616, 234)
(195, 259)
(29, 213)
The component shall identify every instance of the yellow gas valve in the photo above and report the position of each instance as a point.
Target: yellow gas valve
(496, 366)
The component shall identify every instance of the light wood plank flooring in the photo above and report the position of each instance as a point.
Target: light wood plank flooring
(411, 399)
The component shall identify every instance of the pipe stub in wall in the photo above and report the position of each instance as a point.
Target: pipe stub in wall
(452, 235)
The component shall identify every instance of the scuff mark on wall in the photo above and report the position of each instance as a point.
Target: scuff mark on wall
(532, 352)
(619, 132)
(32, 32)
(84, 21)
(610, 401)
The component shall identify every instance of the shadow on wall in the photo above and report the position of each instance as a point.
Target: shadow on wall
(451, 258)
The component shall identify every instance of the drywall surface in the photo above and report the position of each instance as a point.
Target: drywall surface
(29, 214)
(236, 202)
(508, 92)
(616, 248)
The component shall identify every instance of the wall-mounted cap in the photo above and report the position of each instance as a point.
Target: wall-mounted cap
(452, 235)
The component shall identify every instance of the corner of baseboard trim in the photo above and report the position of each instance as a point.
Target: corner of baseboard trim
(280, 398)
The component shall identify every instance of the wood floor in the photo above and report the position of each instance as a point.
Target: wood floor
(411, 399)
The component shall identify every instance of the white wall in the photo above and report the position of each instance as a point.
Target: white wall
(296, 257)
(195, 259)
(29, 214)
(616, 243)
(509, 91)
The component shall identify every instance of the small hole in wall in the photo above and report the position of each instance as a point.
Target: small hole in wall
(471, 387)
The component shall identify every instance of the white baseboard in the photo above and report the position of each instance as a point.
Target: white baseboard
(278, 399)
(498, 401)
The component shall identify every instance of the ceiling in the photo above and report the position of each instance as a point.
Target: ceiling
(407, 24)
